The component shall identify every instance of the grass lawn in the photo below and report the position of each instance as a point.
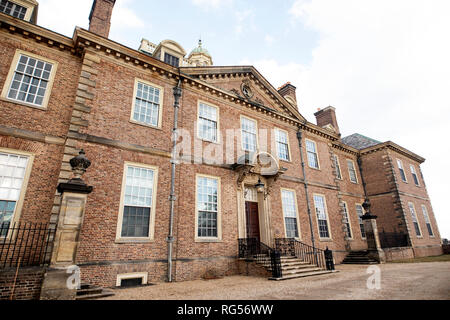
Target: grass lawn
(445, 257)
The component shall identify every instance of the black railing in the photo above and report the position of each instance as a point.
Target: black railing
(252, 248)
(25, 244)
(307, 253)
(393, 239)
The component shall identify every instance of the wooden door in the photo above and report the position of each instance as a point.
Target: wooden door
(251, 211)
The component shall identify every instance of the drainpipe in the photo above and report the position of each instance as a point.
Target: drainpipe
(308, 205)
(177, 91)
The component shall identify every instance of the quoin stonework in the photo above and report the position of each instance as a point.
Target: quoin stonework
(188, 163)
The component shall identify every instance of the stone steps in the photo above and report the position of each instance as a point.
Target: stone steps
(88, 292)
(359, 257)
(302, 275)
(293, 267)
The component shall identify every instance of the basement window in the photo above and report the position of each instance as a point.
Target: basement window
(128, 280)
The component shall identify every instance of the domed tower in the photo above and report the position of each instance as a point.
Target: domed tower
(200, 57)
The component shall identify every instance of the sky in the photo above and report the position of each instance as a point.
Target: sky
(384, 65)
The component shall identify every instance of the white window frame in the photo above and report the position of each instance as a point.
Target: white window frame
(401, 169)
(27, 5)
(217, 122)
(337, 164)
(360, 221)
(412, 211)
(12, 71)
(256, 134)
(296, 212)
(316, 153)
(219, 210)
(277, 131)
(414, 173)
(426, 216)
(151, 229)
(347, 220)
(19, 203)
(354, 169)
(134, 275)
(161, 103)
(326, 214)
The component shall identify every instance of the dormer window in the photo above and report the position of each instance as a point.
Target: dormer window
(172, 60)
(13, 9)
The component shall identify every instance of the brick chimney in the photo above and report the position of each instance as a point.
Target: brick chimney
(100, 17)
(326, 117)
(288, 90)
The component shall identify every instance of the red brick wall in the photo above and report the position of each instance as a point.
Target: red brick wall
(55, 120)
(27, 284)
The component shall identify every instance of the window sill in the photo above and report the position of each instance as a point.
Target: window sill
(146, 125)
(208, 141)
(318, 169)
(130, 241)
(326, 239)
(21, 103)
(208, 240)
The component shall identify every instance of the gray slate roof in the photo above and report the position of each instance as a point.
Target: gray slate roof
(358, 141)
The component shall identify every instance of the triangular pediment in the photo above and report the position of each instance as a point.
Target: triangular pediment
(247, 84)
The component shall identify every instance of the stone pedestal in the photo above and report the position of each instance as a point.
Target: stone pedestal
(62, 277)
(59, 280)
(373, 241)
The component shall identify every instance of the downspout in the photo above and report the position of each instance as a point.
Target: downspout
(177, 91)
(308, 205)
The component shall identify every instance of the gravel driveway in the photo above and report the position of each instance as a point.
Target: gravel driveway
(419, 281)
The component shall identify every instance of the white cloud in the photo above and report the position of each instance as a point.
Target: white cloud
(384, 65)
(212, 4)
(244, 19)
(269, 39)
(62, 16)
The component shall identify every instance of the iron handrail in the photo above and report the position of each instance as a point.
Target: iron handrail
(25, 244)
(252, 248)
(312, 255)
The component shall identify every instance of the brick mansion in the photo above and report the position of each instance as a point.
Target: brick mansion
(182, 162)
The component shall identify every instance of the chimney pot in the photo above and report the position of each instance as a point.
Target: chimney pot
(288, 90)
(326, 117)
(100, 17)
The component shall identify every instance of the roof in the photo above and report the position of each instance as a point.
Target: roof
(200, 49)
(358, 141)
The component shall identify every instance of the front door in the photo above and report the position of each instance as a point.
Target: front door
(251, 211)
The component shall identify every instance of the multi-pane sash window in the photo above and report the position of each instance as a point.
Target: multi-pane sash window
(147, 104)
(207, 122)
(319, 203)
(427, 220)
(414, 219)
(282, 142)
(12, 9)
(290, 213)
(338, 167)
(360, 213)
(138, 200)
(12, 173)
(248, 131)
(311, 151)
(402, 171)
(348, 230)
(207, 207)
(414, 174)
(352, 171)
(172, 60)
(30, 80)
